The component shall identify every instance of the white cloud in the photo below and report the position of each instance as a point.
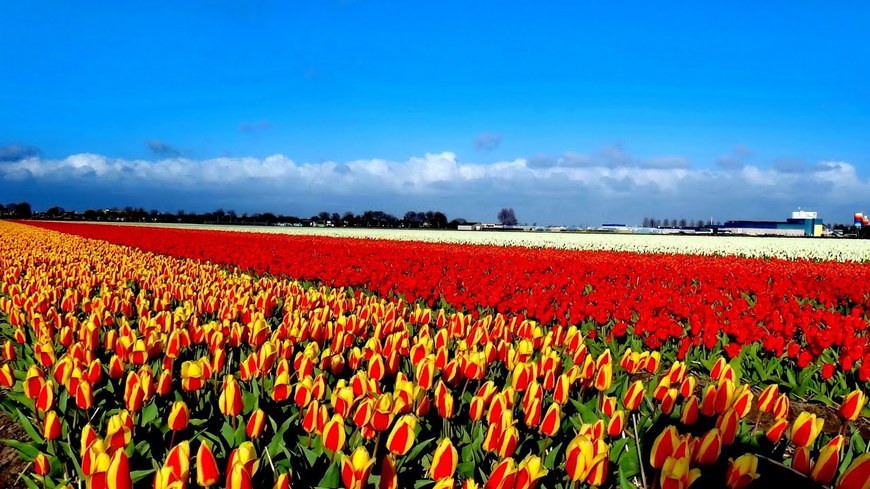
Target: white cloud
(572, 189)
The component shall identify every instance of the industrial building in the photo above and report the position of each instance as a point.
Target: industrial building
(801, 223)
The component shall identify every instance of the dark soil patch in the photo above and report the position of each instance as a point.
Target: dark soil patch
(11, 465)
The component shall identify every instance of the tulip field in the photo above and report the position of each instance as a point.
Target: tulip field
(173, 358)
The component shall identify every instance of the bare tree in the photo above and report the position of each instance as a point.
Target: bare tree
(507, 217)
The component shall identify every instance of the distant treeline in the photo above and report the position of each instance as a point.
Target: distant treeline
(371, 219)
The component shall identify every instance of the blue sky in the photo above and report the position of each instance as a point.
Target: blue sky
(600, 110)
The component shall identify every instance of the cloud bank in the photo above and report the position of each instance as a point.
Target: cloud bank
(571, 189)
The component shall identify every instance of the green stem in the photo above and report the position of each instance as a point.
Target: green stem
(639, 454)
(271, 464)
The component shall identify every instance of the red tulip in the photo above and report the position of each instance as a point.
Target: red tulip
(533, 413)
(828, 461)
(116, 367)
(741, 472)
(503, 475)
(767, 398)
(690, 411)
(84, 396)
(728, 424)
(800, 461)
(7, 379)
(708, 400)
(40, 465)
(687, 386)
(676, 474)
(633, 396)
(45, 399)
(562, 389)
(552, 420)
(355, 469)
(118, 475)
(230, 401)
(616, 425)
(603, 377)
(724, 395)
(51, 426)
(607, 405)
(246, 456)
(651, 363)
(8, 351)
(193, 375)
(179, 416)
(510, 437)
(402, 436)
(781, 407)
(207, 472)
(444, 460)
(334, 434)
(577, 457)
(33, 382)
(88, 437)
(164, 383)
(389, 479)
(664, 446)
(281, 390)
(530, 470)
(668, 401)
(178, 461)
(119, 430)
(238, 477)
(476, 408)
(282, 482)
(707, 448)
(718, 367)
(597, 472)
(342, 400)
(134, 395)
(857, 475)
(806, 429)
(742, 401)
(775, 432)
(256, 424)
(677, 374)
(852, 405)
(445, 404)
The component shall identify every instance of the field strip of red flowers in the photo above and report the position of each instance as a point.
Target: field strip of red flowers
(311, 361)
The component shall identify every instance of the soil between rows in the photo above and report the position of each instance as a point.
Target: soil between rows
(11, 465)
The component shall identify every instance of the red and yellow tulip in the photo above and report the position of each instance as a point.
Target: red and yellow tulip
(444, 460)
(355, 469)
(179, 416)
(742, 471)
(207, 471)
(852, 405)
(806, 428)
(402, 437)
